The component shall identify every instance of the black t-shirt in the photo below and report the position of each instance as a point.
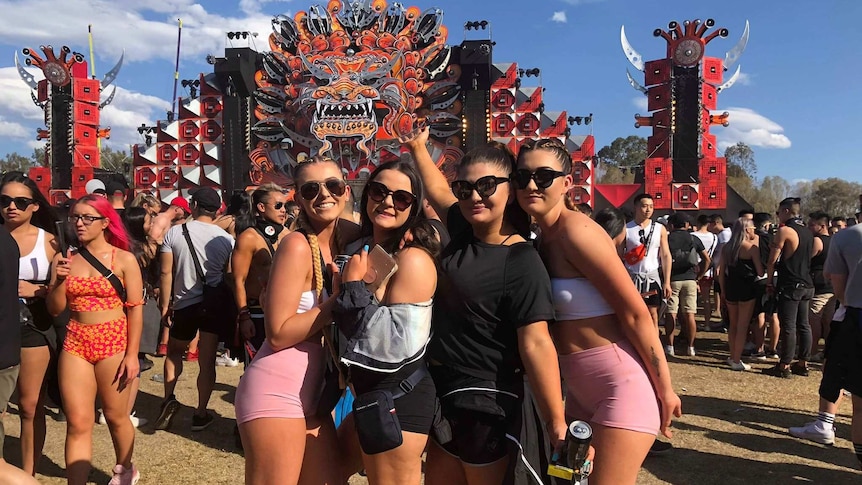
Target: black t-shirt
(679, 242)
(485, 293)
(10, 326)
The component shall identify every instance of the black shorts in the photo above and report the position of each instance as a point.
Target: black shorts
(415, 410)
(655, 299)
(187, 321)
(843, 354)
(740, 290)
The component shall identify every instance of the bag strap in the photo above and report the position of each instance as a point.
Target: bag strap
(408, 384)
(266, 240)
(107, 273)
(198, 268)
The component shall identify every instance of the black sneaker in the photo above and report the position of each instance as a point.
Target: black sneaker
(166, 416)
(200, 423)
(145, 362)
(777, 371)
(659, 448)
(799, 370)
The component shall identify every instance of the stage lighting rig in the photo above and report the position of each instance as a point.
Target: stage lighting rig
(577, 120)
(192, 85)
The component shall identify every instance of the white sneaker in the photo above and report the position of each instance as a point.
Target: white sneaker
(690, 352)
(668, 350)
(101, 419)
(739, 366)
(816, 432)
(138, 422)
(225, 360)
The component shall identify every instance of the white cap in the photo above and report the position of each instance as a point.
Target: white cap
(94, 185)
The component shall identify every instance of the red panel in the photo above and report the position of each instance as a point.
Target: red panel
(708, 96)
(588, 148)
(167, 153)
(42, 177)
(79, 70)
(502, 125)
(81, 175)
(189, 130)
(42, 91)
(507, 80)
(58, 196)
(661, 120)
(210, 130)
(707, 146)
(657, 72)
(618, 194)
(658, 146)
(534, 99)
(502, 100)
(211, 106)
(685, 197)
(661, 193)
(86, 113)
(658, 169)
(85, 135)
(713, 171)
(144, 177)
(167, 177)
(528, 125)
(581, 173)
(713, 196)
(86, 90)
(86, 156)
(580, 195)
(713, 70)
(658, 97)
(189, 154)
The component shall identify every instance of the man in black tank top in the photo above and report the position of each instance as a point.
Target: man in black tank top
(823, 303)
(791, 253)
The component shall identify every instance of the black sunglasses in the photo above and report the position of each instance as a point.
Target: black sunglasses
(86, 219)
(310, 190)
(484, 186)
(22, 203)
(642, 234)
(401, 199)
(544, 177)
(278, 205)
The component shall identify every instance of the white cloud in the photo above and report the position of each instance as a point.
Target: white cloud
(744, 79)
(13, 130)
(751, 128)
(146, 30)
(640, 102)
(559, 17)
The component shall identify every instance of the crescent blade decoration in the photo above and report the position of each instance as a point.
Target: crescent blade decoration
(110, 98)
(730, 82)
(112, 74)
(634, 83)
(733, 55)
(634, 57)
(25, 74)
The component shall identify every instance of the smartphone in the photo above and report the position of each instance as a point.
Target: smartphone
(381, 267)
(61, 238)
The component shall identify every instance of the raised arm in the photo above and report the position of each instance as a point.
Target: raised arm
(436, 186)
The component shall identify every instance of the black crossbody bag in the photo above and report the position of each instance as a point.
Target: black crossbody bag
(376, 419)
(218, 301)
(106, 272)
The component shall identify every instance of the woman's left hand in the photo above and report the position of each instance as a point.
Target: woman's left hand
(357, 267)
(27, 289)
(128, 370)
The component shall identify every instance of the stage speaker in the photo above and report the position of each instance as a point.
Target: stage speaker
(235, 73)
(475, 59)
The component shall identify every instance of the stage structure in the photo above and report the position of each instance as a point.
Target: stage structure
(683, 170)
(72, 102)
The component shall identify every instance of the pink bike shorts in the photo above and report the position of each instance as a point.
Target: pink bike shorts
(609, 385)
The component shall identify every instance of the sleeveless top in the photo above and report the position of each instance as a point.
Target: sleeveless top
(795, 270)
(822, 285)
(650, 262)
(92, 293)
(34, 266)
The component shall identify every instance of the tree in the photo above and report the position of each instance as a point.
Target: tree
(15, 162)
(740, 161)
(117, 161)
(773, 189)
(630, 151)
(611, 174)
(834, 196)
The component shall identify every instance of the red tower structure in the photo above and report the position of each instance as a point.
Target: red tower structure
(682, 169)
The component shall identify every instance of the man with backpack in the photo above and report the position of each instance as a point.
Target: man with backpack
(689, 263)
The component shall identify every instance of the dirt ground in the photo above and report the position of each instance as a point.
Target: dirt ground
(733, 431)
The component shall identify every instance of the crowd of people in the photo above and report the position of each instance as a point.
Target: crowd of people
(435, 305)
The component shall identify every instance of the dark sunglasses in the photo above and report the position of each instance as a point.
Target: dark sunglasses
(310, 190)
(484, 186)
(22, 203)
(544, 177)
(278, 205)
(87, 220)
(401, 199)
(642, 235)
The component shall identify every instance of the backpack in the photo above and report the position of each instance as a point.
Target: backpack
(684, 258)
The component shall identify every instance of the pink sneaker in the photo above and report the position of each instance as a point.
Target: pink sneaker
(125, 476)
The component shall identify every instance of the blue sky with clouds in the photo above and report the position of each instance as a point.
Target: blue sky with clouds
(797, 103)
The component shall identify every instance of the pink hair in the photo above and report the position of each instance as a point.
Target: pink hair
(115, 233)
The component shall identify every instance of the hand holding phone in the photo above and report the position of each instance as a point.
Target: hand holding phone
(381, 267)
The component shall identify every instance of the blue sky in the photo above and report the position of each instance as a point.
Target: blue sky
(797, 104)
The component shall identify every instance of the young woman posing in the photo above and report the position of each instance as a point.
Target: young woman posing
(610, 354)
(490, 318)
(30, 219)
(100, 353)
(740, 268)
(276, 400)
(388, 331)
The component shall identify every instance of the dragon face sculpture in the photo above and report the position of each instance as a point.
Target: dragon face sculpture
(347, 80)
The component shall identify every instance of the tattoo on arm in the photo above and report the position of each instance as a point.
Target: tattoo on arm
(654, 361)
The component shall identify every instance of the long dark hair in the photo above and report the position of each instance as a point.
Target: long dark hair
(612, 221)
(239, 206)
(499, 155)
(46, 216)
(424, 235)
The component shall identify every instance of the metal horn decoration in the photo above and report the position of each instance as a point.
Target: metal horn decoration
(25, 75)
(110, 98)
(111, 75)
(730, 82)
(733, 55)
(634, 83)
(634, 57)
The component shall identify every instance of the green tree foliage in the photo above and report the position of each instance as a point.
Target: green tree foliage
(630, 151)
(118, 161)
(740, 161)
(611, 174)
(16, 162)
(834, 196)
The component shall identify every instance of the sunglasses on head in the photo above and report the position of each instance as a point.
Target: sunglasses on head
(401, 199)
(310, 190)
(484, 186)
(543, 177)
(22, 203)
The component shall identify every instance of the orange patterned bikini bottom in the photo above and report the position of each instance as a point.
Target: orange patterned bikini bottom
(96, 342)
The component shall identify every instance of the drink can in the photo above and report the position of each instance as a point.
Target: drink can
(340, 261)
(578, 440)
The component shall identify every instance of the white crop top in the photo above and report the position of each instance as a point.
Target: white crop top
(34, 266)
(577, 299)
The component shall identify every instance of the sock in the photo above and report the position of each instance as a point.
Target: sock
(857, 447)
(828, 419)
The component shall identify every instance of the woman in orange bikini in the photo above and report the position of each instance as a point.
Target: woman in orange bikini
(100, 353)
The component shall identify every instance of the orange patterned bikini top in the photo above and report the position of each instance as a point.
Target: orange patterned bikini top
(92, 293)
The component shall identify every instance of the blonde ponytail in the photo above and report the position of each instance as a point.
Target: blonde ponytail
(317, 265)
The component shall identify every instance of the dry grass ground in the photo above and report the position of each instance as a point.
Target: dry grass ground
(734, 431)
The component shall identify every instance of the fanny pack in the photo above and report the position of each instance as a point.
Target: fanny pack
(376, 419)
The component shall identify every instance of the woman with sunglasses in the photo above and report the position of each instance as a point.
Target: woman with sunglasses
(30, 219)
(100, 352)
(283, 435)
(490, 318)
(387, 331)
(610, 355)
